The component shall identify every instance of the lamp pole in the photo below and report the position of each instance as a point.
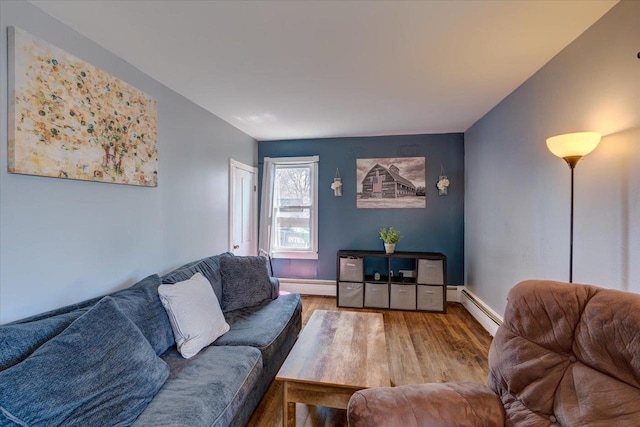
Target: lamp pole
(572, 161)
(571, 231)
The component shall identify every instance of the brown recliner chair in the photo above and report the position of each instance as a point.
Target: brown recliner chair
(566, 354)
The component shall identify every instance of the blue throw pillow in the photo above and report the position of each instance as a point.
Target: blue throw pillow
(208, 267)
(142, 305)
(19, 340)
(245, 282)
(99, 371)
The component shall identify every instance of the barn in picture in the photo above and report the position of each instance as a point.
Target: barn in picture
(391, 183)
(382, 182)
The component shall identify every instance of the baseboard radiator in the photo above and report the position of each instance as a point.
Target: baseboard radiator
(478, 309)
(309, 286)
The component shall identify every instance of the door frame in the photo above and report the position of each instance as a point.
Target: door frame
(254, 200)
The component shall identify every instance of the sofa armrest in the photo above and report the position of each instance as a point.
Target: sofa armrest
(275, 287)
(435, 404)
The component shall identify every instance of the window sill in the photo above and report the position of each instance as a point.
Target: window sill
(294, 255)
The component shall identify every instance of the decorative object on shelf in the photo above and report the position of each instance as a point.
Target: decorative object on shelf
(376, 276)
(443, 182)
(395, 182)
(572, 147)
(390, 237)
(70, 119)
(336, 186)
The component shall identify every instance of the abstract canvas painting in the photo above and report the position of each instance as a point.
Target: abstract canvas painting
(397, 182)
(70, 119)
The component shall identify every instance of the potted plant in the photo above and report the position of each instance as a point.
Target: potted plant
(390, 237)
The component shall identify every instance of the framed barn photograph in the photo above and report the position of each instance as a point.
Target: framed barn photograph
(394, 182)
(69, 119)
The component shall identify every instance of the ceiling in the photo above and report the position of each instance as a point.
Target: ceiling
(314, 69)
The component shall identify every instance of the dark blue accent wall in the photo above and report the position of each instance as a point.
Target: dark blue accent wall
(438, 228)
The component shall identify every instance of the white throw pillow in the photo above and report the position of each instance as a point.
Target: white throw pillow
(194, 313)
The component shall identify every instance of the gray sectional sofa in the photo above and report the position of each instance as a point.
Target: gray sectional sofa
(220, 386)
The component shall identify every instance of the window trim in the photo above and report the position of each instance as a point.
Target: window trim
(267, 208)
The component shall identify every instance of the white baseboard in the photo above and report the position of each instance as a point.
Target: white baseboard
(309, 287)
(485, 315)
(453, 293)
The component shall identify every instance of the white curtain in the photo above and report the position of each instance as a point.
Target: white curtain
(266, 205)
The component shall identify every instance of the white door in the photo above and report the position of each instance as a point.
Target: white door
(243, 211)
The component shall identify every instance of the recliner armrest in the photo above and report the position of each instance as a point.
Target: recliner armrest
(434, 404)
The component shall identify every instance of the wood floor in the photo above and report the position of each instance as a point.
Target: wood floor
(421, 347)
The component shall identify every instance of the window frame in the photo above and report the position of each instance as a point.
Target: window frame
(267, 236)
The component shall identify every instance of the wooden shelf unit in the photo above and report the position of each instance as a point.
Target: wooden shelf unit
(414, 281)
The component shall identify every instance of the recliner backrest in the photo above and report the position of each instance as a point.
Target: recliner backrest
(568, 354)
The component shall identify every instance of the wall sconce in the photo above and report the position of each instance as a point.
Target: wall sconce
(443, 183)
(336, 186)
(572, 147)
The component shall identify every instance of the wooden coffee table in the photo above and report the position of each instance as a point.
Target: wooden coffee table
(337, 354)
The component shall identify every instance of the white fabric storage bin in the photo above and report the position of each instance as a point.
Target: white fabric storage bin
(351, 270)
(430, 271)
(350, 294)
(376, 295)
(403, 297)
(430, 298)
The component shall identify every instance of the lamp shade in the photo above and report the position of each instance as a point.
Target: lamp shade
(573, 144)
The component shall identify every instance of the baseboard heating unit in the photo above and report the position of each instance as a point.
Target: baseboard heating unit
(488, 318)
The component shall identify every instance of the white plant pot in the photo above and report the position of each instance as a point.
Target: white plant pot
(389, 248)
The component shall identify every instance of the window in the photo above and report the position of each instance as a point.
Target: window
(289, 211)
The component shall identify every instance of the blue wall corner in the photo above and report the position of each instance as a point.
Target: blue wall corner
(438, 228)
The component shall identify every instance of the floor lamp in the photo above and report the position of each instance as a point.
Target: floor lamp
(572, 147)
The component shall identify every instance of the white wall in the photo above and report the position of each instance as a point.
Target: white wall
(517, 193)
(65, 241)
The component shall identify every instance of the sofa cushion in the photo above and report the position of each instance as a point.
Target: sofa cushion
(19, 340)
(86, 375)
(142, 305)
(194, 313)
(245, 282)
(262, 332)
(139, 302)
(266, 326)
(275, 287)
(209, 267)
(206, 390)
